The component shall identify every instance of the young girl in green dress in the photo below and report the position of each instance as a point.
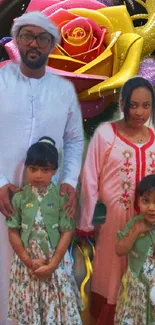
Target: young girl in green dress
(136, 299)
(42, 286)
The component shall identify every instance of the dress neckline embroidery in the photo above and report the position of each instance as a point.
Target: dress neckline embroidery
(131, 144)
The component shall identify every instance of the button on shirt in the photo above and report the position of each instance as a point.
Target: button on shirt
(32, 108)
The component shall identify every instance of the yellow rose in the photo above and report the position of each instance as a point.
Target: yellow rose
(96, 43)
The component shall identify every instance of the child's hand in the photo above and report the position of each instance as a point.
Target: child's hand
(37, 263)
(44, 271)
(142, 227)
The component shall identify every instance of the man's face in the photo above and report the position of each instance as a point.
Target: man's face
(34, 45)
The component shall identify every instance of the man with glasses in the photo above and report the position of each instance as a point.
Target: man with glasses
(34, 103)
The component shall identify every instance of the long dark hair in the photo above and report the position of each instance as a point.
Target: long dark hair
(127, 90)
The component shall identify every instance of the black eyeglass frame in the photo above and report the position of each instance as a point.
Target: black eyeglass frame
(33, 37)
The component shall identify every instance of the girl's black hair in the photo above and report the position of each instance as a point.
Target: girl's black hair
(43, 153)
(127, 90)
(146, 185)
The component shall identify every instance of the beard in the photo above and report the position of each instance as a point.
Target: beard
(36, 64)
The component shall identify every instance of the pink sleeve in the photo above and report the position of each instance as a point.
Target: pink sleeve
(90, 180)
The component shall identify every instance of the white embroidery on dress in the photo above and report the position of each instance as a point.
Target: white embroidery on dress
(55, 226)
(125, 174)
(24, 226)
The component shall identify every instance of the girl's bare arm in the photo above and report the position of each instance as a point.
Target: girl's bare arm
(18, 247)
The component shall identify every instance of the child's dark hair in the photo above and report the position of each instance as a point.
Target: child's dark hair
(43, 153)
(127, 90)
(146, 185)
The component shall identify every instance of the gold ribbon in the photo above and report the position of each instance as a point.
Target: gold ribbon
(89, 272)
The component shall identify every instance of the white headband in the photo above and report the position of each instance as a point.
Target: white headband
(36, 18)
(48, 141)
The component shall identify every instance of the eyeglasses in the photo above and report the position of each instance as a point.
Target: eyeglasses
(41, 39)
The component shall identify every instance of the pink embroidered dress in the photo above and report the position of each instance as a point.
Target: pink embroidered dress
(112, 168)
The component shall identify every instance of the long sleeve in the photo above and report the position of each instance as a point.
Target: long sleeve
(3, 180)
(73, 143)
(90, 178)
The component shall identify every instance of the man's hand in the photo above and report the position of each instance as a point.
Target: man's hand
(5, 204)
(71, 203)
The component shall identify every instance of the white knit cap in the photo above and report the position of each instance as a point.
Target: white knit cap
(36, 18)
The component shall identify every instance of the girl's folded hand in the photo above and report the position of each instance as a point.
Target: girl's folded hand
(37, 263)
(44, 271)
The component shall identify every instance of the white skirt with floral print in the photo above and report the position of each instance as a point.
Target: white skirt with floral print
(54, 301)
(131, 308)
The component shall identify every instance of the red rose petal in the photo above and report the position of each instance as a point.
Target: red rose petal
(77, 36)
(86, 45)
(61, 17)
(94, 52)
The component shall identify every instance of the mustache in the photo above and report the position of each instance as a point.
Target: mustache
(33, 51)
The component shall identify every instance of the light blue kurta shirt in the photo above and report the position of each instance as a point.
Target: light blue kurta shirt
(32, 108)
